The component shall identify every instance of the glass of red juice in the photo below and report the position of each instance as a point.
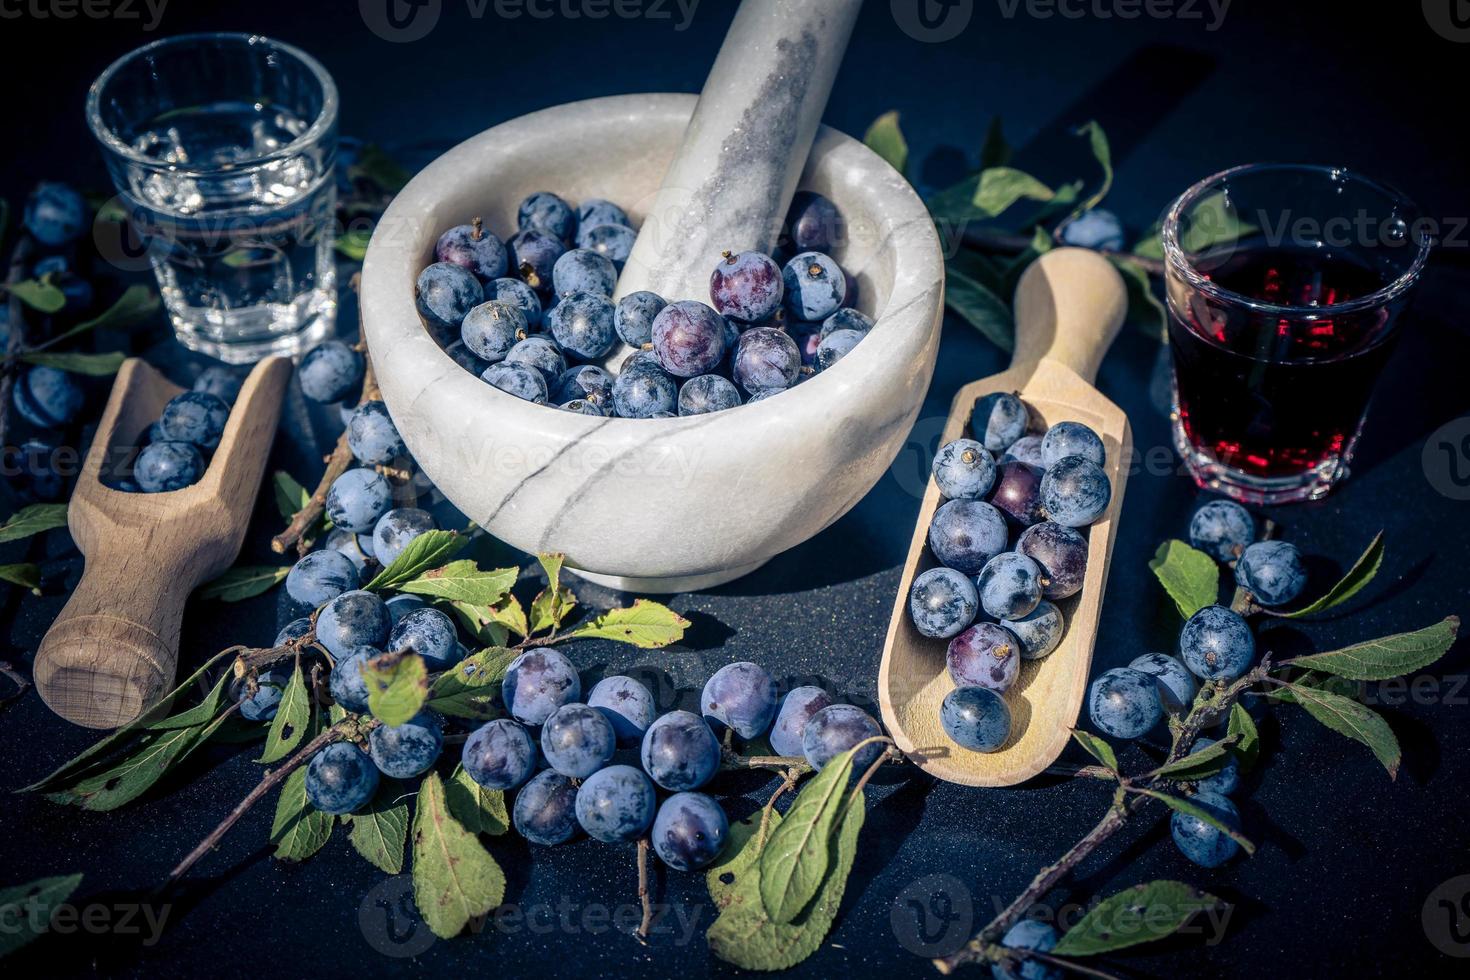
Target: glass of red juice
(1285, 287)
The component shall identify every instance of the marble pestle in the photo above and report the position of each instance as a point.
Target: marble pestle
(732, 180)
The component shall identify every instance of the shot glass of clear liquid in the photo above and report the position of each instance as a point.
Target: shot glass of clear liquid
(221, 147)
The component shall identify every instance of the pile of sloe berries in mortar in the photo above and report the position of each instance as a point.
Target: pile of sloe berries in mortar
(530, 316)
(1216, 644)
(1008, 549)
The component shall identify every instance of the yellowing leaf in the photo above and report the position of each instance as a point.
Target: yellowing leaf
(454, 878)
(647, 624)
(397, 686)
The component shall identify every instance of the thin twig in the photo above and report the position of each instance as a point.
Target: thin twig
(1209, 706)
(643, 899)
(338, 462)
(271, 780)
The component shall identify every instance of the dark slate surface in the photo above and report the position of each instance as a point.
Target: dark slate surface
(1347, 858)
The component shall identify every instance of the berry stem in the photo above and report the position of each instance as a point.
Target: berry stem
(1212, 702)
(338, 462)
(643, 898)
(269, 782)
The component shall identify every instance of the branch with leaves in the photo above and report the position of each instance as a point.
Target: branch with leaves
(455, 877)
(995, 222)
(1322, 684)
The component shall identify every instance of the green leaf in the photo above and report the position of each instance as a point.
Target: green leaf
(380, 832)
(1198, 764)
(647, 625)
(293, 718)
(740, 859)
(1347, 717)
(794, 861)
(26, 910)
(1193, 809)
(32, 520)
(1141, 914)
(463, 581)
(299, 829)
(488, 623)
(1097, 748)
(155, 754)
(1151, 245)
(1097, 140)
(886, 139)
(38, 295)
(454, 878)
(479, 810)
(354, 243)
(27, 576)
(429, 550)
(101, 753)
(1191, 577)
(1145, 311)
(979, 307)
(97, 365)
(397, 686)
(1388, 656)
(1350, 584)
(377, 167)
(1213, 221)
(743, 934)
(553, 603)
(995, 152)
(1001, 187)
(470, 687)
(135, 306)
(290, 495)
(1245, 741)
(243, 582)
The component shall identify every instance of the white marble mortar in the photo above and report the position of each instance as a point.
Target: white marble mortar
(653, 505)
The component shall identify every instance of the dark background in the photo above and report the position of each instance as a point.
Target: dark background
(1347, 857)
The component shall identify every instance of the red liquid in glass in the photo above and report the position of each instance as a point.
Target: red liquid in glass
(1269, 395)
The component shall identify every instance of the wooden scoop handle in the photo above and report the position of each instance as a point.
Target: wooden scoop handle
(1070, 304)
(111, 653)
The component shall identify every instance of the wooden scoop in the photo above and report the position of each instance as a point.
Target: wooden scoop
(1069, 306)
(111, 653)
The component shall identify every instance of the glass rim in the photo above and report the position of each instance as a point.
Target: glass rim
(1178, 262)
(325, 119)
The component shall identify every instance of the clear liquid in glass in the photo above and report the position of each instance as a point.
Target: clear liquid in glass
(243, 256)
